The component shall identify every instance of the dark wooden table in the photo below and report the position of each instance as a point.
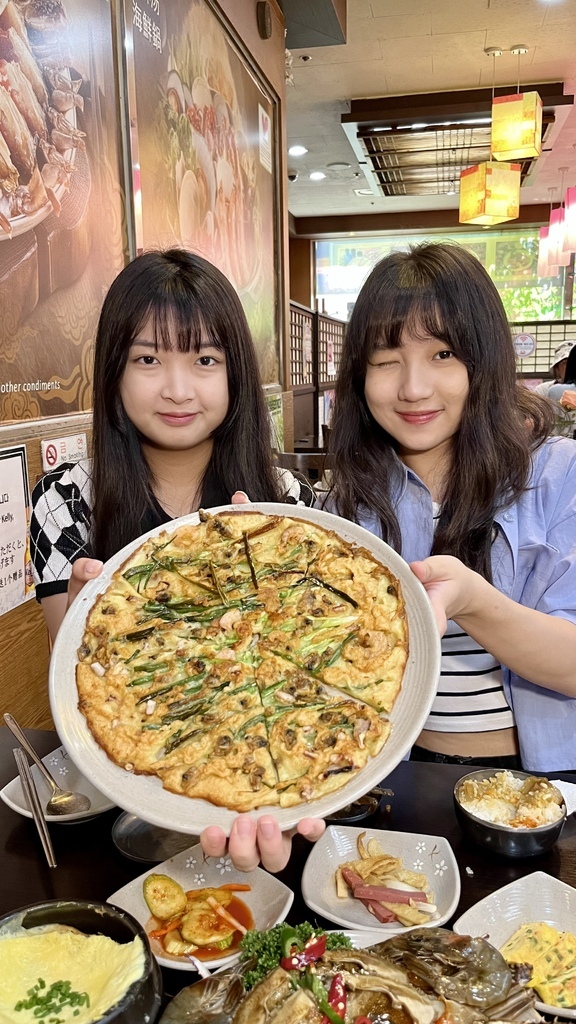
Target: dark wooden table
(90, 866)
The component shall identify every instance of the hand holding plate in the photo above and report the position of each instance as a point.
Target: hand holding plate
(258, 841)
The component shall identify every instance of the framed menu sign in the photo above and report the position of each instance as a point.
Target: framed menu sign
(204, 153)
(61, 202)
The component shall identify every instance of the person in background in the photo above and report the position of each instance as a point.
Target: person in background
(436, 450)
(565, 394)
(179, 422)
(557, 369)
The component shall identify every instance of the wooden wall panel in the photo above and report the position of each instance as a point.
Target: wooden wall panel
(302, 288)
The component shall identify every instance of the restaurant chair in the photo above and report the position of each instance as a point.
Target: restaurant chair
(312, 465)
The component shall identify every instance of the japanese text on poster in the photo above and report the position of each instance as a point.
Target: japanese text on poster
(15, 565)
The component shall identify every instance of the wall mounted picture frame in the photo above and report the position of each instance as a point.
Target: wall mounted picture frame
(203, 127)
(62, 232)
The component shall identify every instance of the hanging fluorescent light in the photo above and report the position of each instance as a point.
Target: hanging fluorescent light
(489, 193)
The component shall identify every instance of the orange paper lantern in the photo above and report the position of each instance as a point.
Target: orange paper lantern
(516, 126)
(489, 193)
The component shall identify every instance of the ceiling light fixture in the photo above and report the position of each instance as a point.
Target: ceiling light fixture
(493, 51)
(317, 176)
(305, 58)
(363, 191)
(339, 165)
(297, 150)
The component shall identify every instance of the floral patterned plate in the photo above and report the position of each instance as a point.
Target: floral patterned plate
(429, 854)
(269, 899)
(59, 763)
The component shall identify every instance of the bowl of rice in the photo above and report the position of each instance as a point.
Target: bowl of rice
(512, 813)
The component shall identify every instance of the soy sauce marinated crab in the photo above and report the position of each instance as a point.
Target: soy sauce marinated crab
(458, 967)
(427, 976)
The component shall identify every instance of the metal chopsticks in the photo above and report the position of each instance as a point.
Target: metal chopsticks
(31, 794)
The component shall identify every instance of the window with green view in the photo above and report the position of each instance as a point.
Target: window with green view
(510, 257)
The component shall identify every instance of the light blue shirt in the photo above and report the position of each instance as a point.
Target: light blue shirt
(534, 563)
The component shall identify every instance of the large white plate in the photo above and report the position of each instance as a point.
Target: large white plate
(144, 795)
(269, 899)
(535, 897)
(430, 854)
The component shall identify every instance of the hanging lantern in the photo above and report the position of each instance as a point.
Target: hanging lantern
(489, 193)
(556, 255)
(569, 245)
(516, 126)
(543, 267)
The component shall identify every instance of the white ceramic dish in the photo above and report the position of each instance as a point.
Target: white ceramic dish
(269, 899)
(431, 854)
(144, 795)
(535, 897)
(67, 775)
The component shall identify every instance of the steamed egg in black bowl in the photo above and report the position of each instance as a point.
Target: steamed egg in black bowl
(77, 962)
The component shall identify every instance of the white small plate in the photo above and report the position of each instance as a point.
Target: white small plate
(269, 900)
(143, 795)
(431, 854)
(61, 766)
(536, 897)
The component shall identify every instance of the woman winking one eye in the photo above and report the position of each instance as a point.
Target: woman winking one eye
(438, 450)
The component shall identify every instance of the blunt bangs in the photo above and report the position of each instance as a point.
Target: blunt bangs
(179, 324)
(439, 291)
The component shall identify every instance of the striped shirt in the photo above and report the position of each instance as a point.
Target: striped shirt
(470, 695)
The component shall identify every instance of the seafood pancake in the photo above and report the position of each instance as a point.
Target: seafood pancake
(250, 660)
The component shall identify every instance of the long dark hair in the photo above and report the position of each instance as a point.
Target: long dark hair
(443, 290)
(570, 374)
(187, 298)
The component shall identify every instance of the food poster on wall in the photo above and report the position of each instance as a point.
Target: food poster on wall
(202, 149)
(61, 205)
(16, 580)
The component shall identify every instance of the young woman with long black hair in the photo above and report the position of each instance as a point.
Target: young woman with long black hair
(438, 450)
(180, 422)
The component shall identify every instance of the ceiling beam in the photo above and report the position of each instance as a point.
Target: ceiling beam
(422, 220)
(401, 110)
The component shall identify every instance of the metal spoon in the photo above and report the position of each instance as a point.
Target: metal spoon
(62, 801)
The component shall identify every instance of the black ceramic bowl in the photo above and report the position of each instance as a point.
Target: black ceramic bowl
(141, 1003)
(502, 839)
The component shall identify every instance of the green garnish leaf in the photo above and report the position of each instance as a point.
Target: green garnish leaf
(266, 947)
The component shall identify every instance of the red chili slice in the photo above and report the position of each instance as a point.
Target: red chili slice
(313, 950)
(337, 995)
